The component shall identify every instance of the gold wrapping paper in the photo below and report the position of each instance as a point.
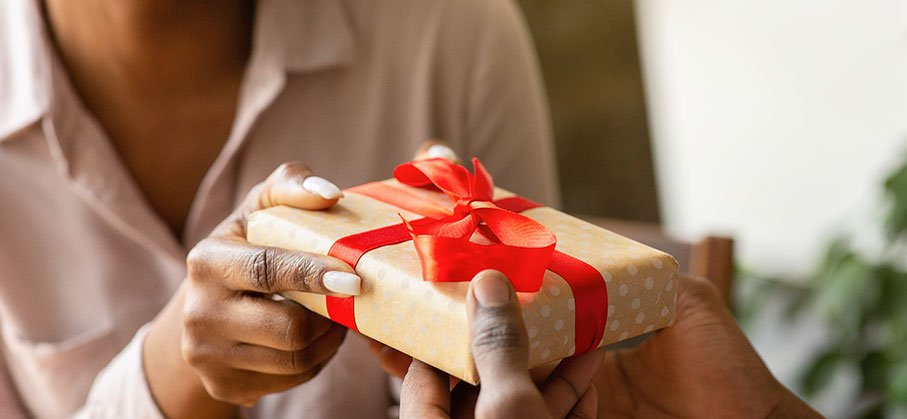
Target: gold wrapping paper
(427, 320)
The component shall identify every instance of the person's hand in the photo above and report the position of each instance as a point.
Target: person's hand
(436, 149)
(225, 334)
(501, 351)
(702, 366)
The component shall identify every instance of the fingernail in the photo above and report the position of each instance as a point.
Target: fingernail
(342, 282)
(441, 151)
(322, 187)
(491, 290)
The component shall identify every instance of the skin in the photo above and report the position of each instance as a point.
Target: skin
(223, 340)
(701, 367)
(161, 72)
(167, 73)
(500, 347)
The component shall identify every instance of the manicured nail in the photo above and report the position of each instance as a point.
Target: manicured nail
(441, 151)
(491, 290)
(321, 187)
(342, 282)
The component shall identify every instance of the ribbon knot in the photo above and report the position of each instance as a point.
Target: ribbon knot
(466, 204)
(447, 245)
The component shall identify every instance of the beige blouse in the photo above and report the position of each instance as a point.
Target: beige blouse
(349, 87)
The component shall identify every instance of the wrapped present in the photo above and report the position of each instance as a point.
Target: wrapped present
(416, 240)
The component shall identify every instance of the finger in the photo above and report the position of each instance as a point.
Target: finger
(436, 149)
(374, 346)
(393, 361)
(454, 381)
(271, 361)
(699, 293)
(281, 325)
(292, 184)
(570, 381)
(499, 343)
(244, 267)
(246, 387)
(424, 393)
(587, 407)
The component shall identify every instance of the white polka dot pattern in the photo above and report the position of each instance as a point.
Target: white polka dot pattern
(428, 320)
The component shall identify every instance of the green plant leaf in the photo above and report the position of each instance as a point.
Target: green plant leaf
(897, 387)
(893, 291)
(863, 301)
(874, 370)
(819, 372)
(896, 192)
(843, 289)
(896, 411)
(798, 300)
(875, 412)
(757, 292)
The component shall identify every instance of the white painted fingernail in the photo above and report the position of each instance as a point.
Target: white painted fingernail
(321, 187)
(342, 282)
(441, 151)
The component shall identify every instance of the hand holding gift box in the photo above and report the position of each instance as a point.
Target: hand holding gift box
(581, 286)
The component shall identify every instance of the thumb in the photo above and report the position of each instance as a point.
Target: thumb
(293, 185)
(499, 343)
(424, 393)
(436, 149)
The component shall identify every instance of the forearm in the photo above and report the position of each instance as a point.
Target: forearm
(174, 384)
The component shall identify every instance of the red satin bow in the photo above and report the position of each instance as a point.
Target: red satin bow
(519, 247)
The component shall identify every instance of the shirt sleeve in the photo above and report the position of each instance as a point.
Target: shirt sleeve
(120, 389)
(507, 116)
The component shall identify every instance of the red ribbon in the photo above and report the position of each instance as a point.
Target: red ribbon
(520, 247)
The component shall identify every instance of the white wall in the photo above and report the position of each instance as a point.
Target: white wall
(773, 120)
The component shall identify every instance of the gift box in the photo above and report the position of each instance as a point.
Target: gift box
(416, 240)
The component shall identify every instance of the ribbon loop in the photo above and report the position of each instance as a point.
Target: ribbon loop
(449, 248)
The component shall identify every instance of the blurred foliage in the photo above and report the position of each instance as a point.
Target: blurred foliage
(862, 298)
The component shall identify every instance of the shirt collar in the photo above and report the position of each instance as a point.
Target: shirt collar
(24, 66)
(302, 37)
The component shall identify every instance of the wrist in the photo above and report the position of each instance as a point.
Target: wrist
(174, 385)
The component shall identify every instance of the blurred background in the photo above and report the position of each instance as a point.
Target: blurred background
(779, 126)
